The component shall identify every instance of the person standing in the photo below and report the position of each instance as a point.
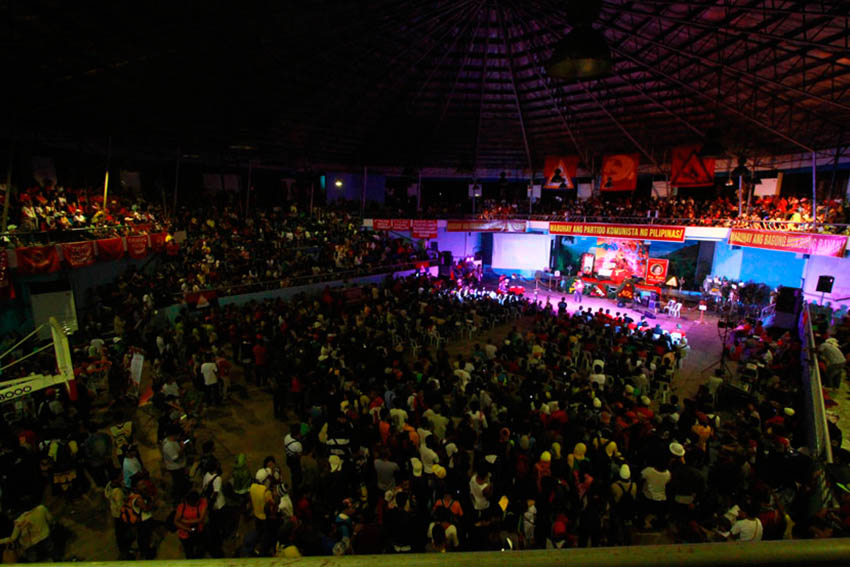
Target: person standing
(190, 519)
(294, 449)
(261, 497)
(114, 493)
(211, 489)
(31, 533)
(835, 362)
(261, 359)
(174, 457)
(578, 288)
(562, 307)
(209, 370)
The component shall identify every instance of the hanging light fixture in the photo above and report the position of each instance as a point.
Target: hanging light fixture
(583, 53)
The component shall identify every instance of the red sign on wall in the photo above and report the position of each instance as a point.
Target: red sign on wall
(656, 270)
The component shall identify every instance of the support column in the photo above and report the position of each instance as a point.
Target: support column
(814, 192)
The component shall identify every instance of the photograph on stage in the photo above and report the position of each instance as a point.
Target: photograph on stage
(620, 259)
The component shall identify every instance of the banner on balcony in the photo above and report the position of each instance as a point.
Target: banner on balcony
(110, 248)
(79, 254)
(690, 169)
(656, 270)
(137, 246)
(559, 172)
(798, 242)
(486, 226)
(424, 229)
(382, 224)
(619, 172)
(37, 260)
(634, 231)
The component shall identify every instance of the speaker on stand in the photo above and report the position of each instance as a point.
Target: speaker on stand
(825, 284)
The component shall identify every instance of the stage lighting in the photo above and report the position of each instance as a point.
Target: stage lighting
(338, 183)
(672, 281)
(582, 54)
(730, 183)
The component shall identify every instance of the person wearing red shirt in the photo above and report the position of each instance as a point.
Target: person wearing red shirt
(260, 363)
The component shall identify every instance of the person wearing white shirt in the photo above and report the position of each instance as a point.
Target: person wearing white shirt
(209, 370)
(490, 350)
(428, 455)
(746, 528)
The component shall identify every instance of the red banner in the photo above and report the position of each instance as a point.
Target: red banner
(559, 172)
(382, 224)
(619, 172)
(656, 270)
(629, 231)
(690, 169)
(7, 290)
(799, 242)
(486, 226)
(424, 229)
(79, 254)
(110, 248)
(158, 241)
(37, 260)
(137, 246)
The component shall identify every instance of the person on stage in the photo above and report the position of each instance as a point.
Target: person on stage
(579, 289)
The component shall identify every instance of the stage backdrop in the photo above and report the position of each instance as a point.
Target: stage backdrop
(619, 259)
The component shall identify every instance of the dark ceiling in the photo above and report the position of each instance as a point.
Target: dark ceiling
(424, 83)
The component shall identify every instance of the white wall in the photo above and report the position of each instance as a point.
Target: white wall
(460, 244)
(521, 252)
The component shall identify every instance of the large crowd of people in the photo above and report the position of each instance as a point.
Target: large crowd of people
(557, 430)
(52, 212)
(782, 213)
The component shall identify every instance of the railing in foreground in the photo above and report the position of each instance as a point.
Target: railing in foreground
(819, 434)
(792, 553)
(265, 285)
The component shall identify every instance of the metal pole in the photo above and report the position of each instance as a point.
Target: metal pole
(106, 177)
(8, 189)
(814, 192)
(740, 193)
(176, 180)
(419, 193)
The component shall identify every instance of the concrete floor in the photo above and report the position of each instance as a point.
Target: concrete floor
(246, 424)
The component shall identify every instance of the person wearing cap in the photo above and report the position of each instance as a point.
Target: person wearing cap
(261, 498)
(623, 497)
(835, 362)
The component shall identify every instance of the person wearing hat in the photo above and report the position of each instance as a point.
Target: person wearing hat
(835, 362)
(261, 498)
(624, 497)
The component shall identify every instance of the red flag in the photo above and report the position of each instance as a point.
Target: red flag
(559, 172)
(619, 172)
(110, 248)
(690, 169)
(38, 260)
(137, 246)
(158, 241)
(79, 254)
(7, 290)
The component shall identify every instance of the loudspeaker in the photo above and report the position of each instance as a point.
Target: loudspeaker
(649, 314)
(787, 298)
(446, 258)
(825, 284)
